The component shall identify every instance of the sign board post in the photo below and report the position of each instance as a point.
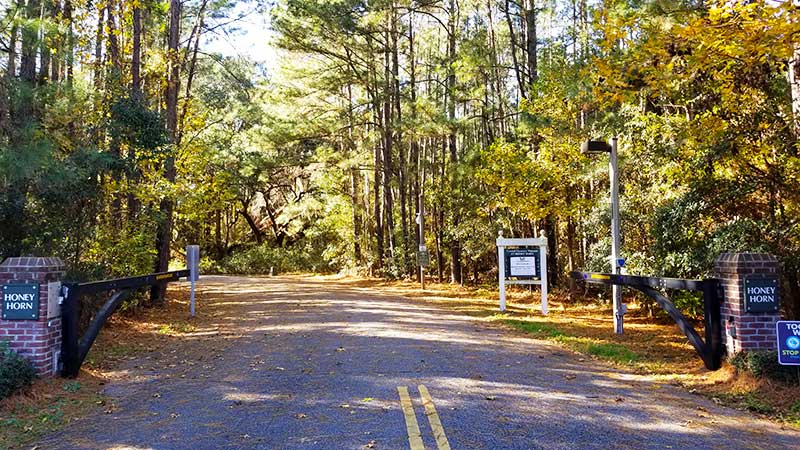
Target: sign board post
(788, 332)
(522, 261)
(193, 264)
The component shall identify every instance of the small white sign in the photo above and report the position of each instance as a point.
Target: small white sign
(53, 293)
(523, 266)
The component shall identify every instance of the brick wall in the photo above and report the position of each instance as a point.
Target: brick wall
(745, 331)
(39, 341)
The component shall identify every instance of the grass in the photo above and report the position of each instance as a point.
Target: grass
(608, 351)
(536, 328)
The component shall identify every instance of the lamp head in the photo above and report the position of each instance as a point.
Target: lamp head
(595, 147)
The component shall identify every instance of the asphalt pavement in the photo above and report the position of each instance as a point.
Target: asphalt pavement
(295, 362)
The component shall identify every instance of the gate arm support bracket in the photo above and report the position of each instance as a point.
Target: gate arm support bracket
(99, 321)
(710, 350)
(702, 348)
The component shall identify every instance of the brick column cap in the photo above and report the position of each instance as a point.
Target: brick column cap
(49, 264)
(734, 263)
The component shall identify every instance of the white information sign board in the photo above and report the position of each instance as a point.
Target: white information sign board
(524, 257)
(523, 266)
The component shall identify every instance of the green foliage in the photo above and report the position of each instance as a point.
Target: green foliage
(136, 124)
(16, 372)
(258, 260)
(764, 364)
(71, 386)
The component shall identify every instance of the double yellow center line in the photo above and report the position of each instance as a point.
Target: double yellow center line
(414, 434)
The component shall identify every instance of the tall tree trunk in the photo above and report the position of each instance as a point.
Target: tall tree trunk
(98, 49)
(57, 42)
(69, 51)
(794, 83)
(113, 41)
(415, 157)
(455, 244)
(136, 53)
(513, 38)
(113, 86)
(164, 232)
(388, 142)
(531, 44)
(354, 176)
(197, 32)
(47, 13)
(219, 253)
(496, 86)
(372, 92)
(258, 233)
(30, 44)
(402, 162)
(11, 67)
(136, 94)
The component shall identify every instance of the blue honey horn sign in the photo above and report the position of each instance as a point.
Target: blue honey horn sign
(788, 342)
(761, 293)
(20, 302)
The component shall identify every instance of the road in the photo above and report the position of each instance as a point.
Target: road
(296, 362)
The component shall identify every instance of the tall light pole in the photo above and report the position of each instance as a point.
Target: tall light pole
(593, 148)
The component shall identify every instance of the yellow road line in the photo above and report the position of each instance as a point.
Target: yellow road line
(414, 435)
(433, 418)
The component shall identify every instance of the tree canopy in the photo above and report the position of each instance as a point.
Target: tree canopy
(123, 137)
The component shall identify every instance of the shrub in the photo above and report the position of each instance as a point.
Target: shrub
(259, 260)
(764, 364)
(15, 371)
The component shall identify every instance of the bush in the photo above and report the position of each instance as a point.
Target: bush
(15, 371)
(764, 364)
(259, 260)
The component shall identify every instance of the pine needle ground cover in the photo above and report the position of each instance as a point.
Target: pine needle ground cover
(53, 403)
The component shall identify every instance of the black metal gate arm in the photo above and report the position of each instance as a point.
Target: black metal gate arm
(74, 348)
(709, 351)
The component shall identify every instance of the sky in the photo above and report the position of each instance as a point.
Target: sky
(250, 36)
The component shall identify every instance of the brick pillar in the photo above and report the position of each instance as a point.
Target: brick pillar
(745, 331)
(37, 340)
